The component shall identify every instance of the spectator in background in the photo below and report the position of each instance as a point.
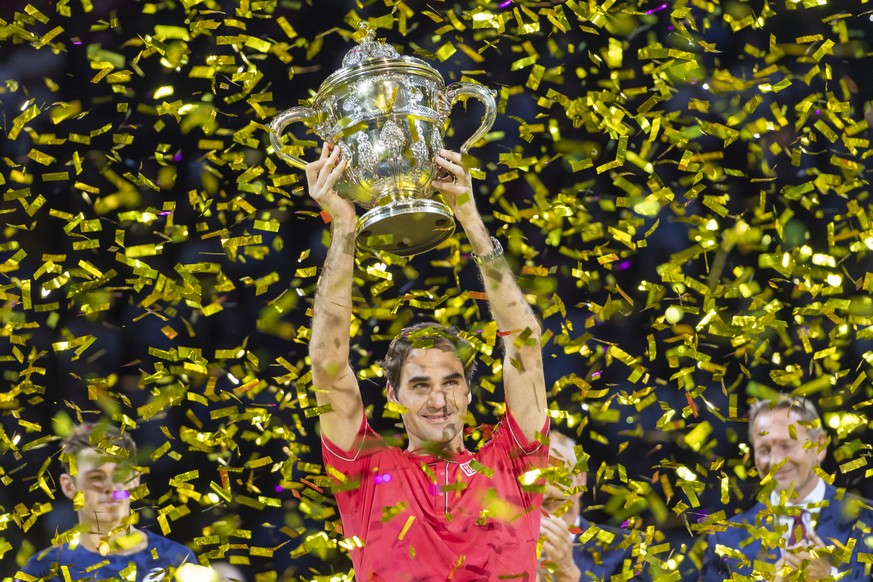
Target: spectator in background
(99, 474)
(606, 553)
(805, 528)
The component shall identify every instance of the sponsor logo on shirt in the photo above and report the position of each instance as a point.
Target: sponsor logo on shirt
(155, 575)
(467, 469)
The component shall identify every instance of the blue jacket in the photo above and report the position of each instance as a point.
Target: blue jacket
(599, 561)
(838, 520)
(149, 564)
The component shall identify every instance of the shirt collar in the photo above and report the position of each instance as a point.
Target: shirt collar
(814, 498)
(422, 457)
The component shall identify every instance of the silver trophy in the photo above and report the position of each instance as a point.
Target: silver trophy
(388, 114)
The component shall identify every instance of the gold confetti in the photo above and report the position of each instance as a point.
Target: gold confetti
(151, 198)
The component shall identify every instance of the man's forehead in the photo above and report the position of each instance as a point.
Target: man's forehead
(419, 358)
(96, 457)
(778, 423)
(431, 351)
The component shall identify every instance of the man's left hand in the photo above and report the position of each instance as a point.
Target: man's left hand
(457, 185)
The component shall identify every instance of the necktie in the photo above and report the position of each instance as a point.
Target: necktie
(798, 530)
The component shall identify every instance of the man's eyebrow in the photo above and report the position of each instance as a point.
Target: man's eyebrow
(423, 378)
(419, 378)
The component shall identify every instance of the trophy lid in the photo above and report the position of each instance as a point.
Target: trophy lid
(369, 48)
(372, 57)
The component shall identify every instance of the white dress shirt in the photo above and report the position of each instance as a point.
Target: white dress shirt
(811, 506)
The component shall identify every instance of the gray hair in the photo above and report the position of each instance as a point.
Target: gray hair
(559, 438)
(804, 409)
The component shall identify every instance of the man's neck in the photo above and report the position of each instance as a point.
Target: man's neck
(442, 450)
(116, 541)
(812, 493)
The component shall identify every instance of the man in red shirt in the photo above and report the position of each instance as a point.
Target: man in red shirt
(433, 511)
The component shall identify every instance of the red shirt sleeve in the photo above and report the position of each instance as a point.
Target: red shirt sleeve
(528, 447)
(331, 452)
(509, 449)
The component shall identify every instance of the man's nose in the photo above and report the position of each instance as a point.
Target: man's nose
(775, 456)
(437, 398)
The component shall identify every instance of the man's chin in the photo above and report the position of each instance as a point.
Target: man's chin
(551, 506)
(110, 513)
(787, 485)
(438, 442)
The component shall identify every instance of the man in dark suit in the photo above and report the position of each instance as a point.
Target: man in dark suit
(575, 549)
(802, 528)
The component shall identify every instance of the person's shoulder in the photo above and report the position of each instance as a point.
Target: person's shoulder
(731, 530)
(618, 532)
(843, 495)
(167, 548)
(748, 516)
(506, 434)
(495, 438)
(612, 546)
(617, 535)
(368, 442)
(851, 507)
(40, 563)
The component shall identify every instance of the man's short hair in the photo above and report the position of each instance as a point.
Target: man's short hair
(803, 408)
(106, 438)
(566, 440)
(427, 335)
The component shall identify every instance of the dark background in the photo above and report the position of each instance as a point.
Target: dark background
(157, 261)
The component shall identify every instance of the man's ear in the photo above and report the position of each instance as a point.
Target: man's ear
(822, 447)
(469, 397)
(389, 392)
(68, 485)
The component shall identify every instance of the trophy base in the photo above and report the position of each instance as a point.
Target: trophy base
(405, 227)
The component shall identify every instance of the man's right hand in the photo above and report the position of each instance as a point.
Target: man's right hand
(322, 175)
(801, 559)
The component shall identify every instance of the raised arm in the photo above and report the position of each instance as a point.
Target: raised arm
(332, 375)
(523, 380)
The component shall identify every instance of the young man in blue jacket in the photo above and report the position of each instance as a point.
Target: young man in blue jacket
(99, 474)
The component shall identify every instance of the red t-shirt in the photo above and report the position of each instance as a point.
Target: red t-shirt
(423, 518)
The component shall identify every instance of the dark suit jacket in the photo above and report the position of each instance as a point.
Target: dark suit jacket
(838, 520)
(598, 560)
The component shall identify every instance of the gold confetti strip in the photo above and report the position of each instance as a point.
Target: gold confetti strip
(148, 196)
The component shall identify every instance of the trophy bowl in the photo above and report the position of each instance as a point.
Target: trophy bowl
(388, 114)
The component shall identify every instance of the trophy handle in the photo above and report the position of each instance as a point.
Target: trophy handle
(457, 90)
(279, 124)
